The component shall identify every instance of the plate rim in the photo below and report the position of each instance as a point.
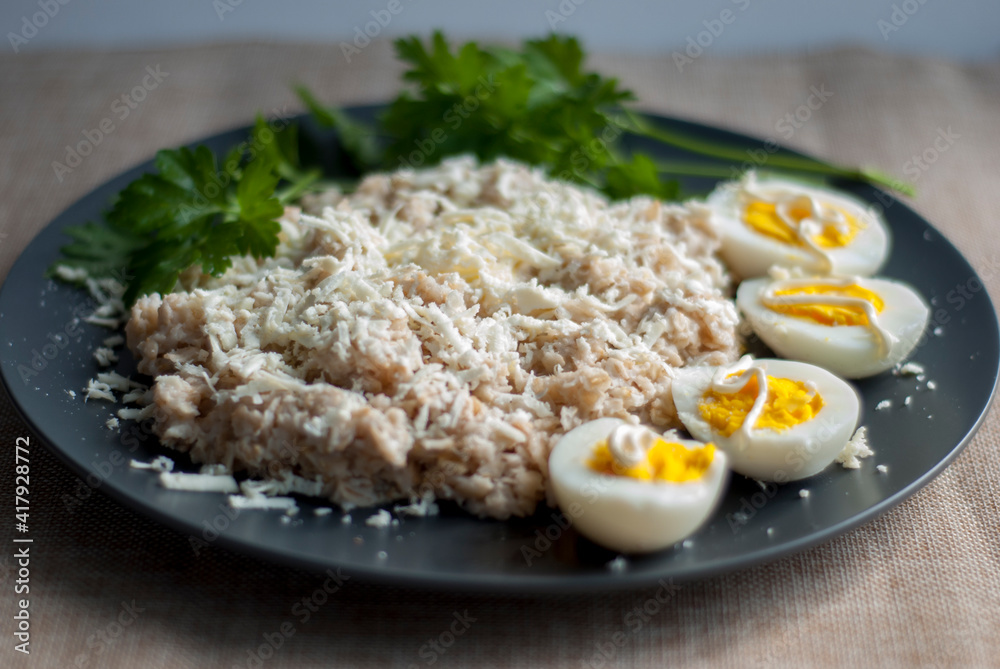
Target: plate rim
(505, 583)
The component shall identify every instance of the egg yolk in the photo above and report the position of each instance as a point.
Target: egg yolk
(789, 403)
(829, 314)
(665, 461)
(763, 217)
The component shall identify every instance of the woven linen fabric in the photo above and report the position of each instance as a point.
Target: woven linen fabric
(917, 587)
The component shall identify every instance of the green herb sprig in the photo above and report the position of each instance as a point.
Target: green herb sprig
(540, 106)
(194, 210)
(536, 104)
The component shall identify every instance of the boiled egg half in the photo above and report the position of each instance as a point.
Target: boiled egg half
(853, 326)
(632, 490)
(765, 222)
(776, 420)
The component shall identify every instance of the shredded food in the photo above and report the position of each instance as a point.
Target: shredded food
(432, 334)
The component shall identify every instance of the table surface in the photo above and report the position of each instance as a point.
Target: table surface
(918, 587)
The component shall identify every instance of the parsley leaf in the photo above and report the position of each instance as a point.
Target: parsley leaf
(538, 105)
(357, 139)
(193, 211)
(637, 176)
(101, 250)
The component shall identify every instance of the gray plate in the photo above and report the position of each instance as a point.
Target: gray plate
(535, 554)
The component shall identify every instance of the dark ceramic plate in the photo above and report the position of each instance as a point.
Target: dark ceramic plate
(915, 442)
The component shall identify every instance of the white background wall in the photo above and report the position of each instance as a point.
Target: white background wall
(957, 29)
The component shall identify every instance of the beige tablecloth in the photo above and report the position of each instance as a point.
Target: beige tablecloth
(919, 587)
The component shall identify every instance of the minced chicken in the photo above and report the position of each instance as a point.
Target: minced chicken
(434, 333)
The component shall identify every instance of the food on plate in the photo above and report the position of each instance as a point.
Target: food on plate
(492, 333)
(434, 333)
(538, 105)
(632, 490)
(777, 420)
(853, 326)
(769, 221)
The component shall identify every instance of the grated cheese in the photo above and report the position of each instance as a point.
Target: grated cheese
(437, 330)
(856, 450)
(136, 414)
(71, 274)
(114, 340)
(380, 520)
(97, 390)
(137, 395)
(422, 507)
(160, 463)
(198, 482)
(104, 356)
(262, 503)
(285, 483)
(909, 369)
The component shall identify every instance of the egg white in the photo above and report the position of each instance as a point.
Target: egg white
(850, 351)
(749, 254)
(625, 514)
(795, 453)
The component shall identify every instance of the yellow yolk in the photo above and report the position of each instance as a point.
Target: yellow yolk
(827, 314)
(763, 217)
(665, 461)
(789, 403)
